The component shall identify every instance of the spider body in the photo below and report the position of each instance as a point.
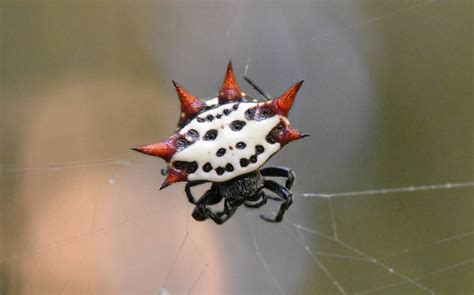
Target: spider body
(225, 141)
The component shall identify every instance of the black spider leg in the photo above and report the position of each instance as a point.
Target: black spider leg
(201, 211)
(261, 198)
(188, 187)
(257, 88)
(223, 216)
(283, 193)
(280, 172)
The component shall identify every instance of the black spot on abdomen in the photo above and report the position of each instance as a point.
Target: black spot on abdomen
(189, 167)
(250, 114)
(229, 168)
(259, 149)
(220, 152)
(193, 133)
(237, 125)
(210, 135)
(207, 167)
(244, 162)
(253, 159)
(240, 145)
(270, 138)
(220, 170)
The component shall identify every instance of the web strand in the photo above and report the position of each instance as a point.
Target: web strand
(382, 191)
(372, 20)
(427, 275)
(201, 273)
(260, 256)
(5, 170)
(300, 230)
(353, 249)
(318, 262)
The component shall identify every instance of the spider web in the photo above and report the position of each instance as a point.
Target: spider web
(100, 225)
(322, 250)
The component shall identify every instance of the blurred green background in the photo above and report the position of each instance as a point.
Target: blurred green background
(387, 98)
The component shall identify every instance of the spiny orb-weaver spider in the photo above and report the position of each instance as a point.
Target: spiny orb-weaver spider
(225, 140)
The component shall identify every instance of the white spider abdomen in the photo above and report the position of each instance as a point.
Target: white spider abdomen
(239, 146)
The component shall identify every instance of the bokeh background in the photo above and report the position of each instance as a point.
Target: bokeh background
(387, 98)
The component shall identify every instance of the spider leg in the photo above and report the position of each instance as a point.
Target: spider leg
(257, 88)
(201, 211)
(263, 200)
(223, 216)
(283, 193)
(188, 187)
(280, 172)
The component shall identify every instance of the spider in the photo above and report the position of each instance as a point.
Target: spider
(225, 141)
